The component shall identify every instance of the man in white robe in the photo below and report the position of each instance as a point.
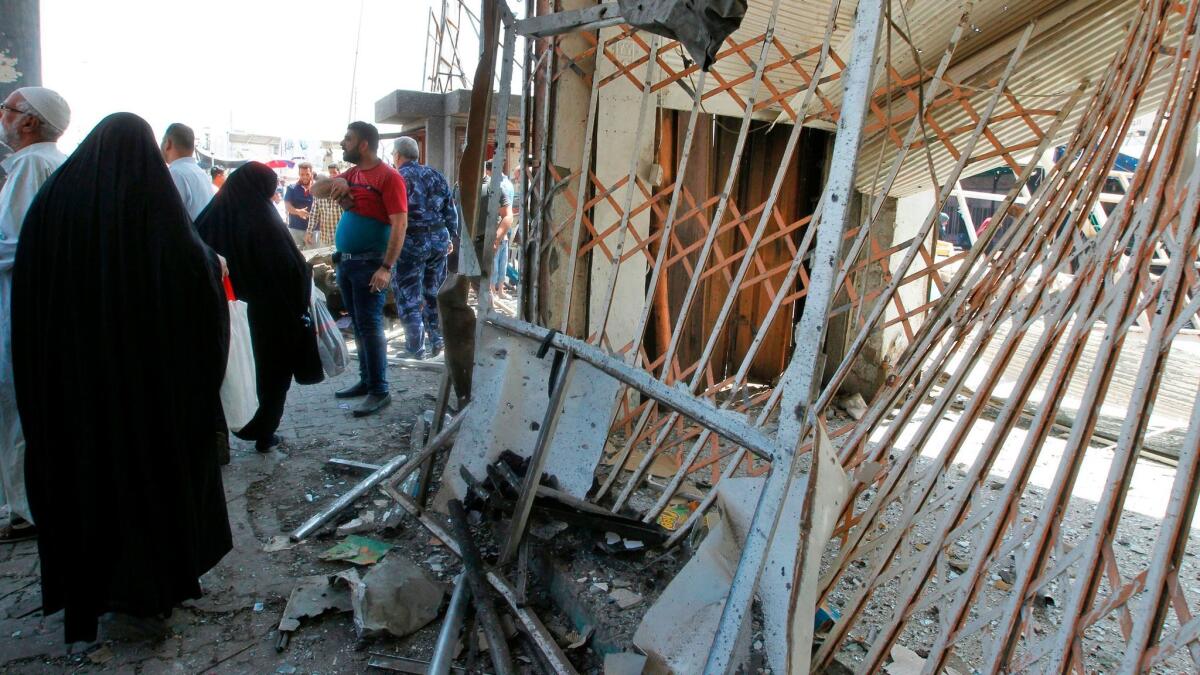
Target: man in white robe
(31, 121)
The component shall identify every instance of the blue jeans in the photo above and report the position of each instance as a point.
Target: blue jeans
(500, 268)
(366, 312)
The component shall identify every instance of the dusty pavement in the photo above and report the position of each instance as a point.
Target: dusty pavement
(228, 630)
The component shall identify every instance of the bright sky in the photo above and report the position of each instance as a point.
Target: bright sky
(277, 68)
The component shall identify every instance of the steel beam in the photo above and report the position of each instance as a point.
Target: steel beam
(590, 18)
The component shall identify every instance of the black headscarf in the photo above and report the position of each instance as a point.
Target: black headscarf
(266, 269)
(120, 334)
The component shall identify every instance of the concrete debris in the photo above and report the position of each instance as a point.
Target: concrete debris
(364, 522)
(395, 597)
(854, 405)
(625, 598)
(624, 663)
(904, 662)
(907, 662)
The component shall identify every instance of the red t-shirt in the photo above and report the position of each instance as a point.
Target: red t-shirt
(378, 192)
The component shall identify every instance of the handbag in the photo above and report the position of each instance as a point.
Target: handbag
(239, 395)
(335, 357)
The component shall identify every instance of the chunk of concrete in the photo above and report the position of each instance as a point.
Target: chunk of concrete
(395, 597)
(625, 598)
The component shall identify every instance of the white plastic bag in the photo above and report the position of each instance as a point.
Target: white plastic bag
(335, 357)
(239, 395)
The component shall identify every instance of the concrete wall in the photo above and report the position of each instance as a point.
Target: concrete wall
(20, 50)
(568, 120)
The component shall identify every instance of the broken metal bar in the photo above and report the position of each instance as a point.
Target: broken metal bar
(529, 621)
(723, 423)
(537, 462)
(399, 464)
(589, 18)
(439, 417)
(801, 373)
(443, 651)
(354, 465)
(485, 609)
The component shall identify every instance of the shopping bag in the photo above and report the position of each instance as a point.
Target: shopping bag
(239, 396)
(335, 357)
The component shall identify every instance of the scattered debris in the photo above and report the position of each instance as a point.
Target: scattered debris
(101, 656)
(279, 542)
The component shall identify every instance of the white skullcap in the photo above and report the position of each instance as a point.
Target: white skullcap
(48, 105)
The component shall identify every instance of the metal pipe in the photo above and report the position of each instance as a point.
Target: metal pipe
(401, 464)
(443, 651)
(485, 609)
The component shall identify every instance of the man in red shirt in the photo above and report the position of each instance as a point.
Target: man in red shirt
(369, 237)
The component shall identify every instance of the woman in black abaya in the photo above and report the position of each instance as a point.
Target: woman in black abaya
(270, 275)
(120, 331)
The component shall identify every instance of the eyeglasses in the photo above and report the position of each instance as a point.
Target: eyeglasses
(5, 106)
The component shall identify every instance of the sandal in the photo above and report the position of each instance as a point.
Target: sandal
(18, 529)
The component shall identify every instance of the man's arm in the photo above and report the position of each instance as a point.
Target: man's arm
(506, 221)
(383, 275)
(292, 210)
(335, 188)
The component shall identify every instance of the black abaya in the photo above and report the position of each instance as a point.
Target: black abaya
(270, 275)
(120, 334)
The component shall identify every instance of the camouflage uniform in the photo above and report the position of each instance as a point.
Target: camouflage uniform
(421, 269)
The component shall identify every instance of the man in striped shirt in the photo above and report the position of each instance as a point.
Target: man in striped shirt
(323, 218)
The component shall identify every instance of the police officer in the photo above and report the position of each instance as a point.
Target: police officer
(421, 269)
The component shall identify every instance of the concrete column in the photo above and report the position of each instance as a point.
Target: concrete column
(568, 119)
(616, 137)
(899, 220)
(435, 144)
(20, 46)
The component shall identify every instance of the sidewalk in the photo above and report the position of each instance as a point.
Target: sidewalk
(267, 496)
